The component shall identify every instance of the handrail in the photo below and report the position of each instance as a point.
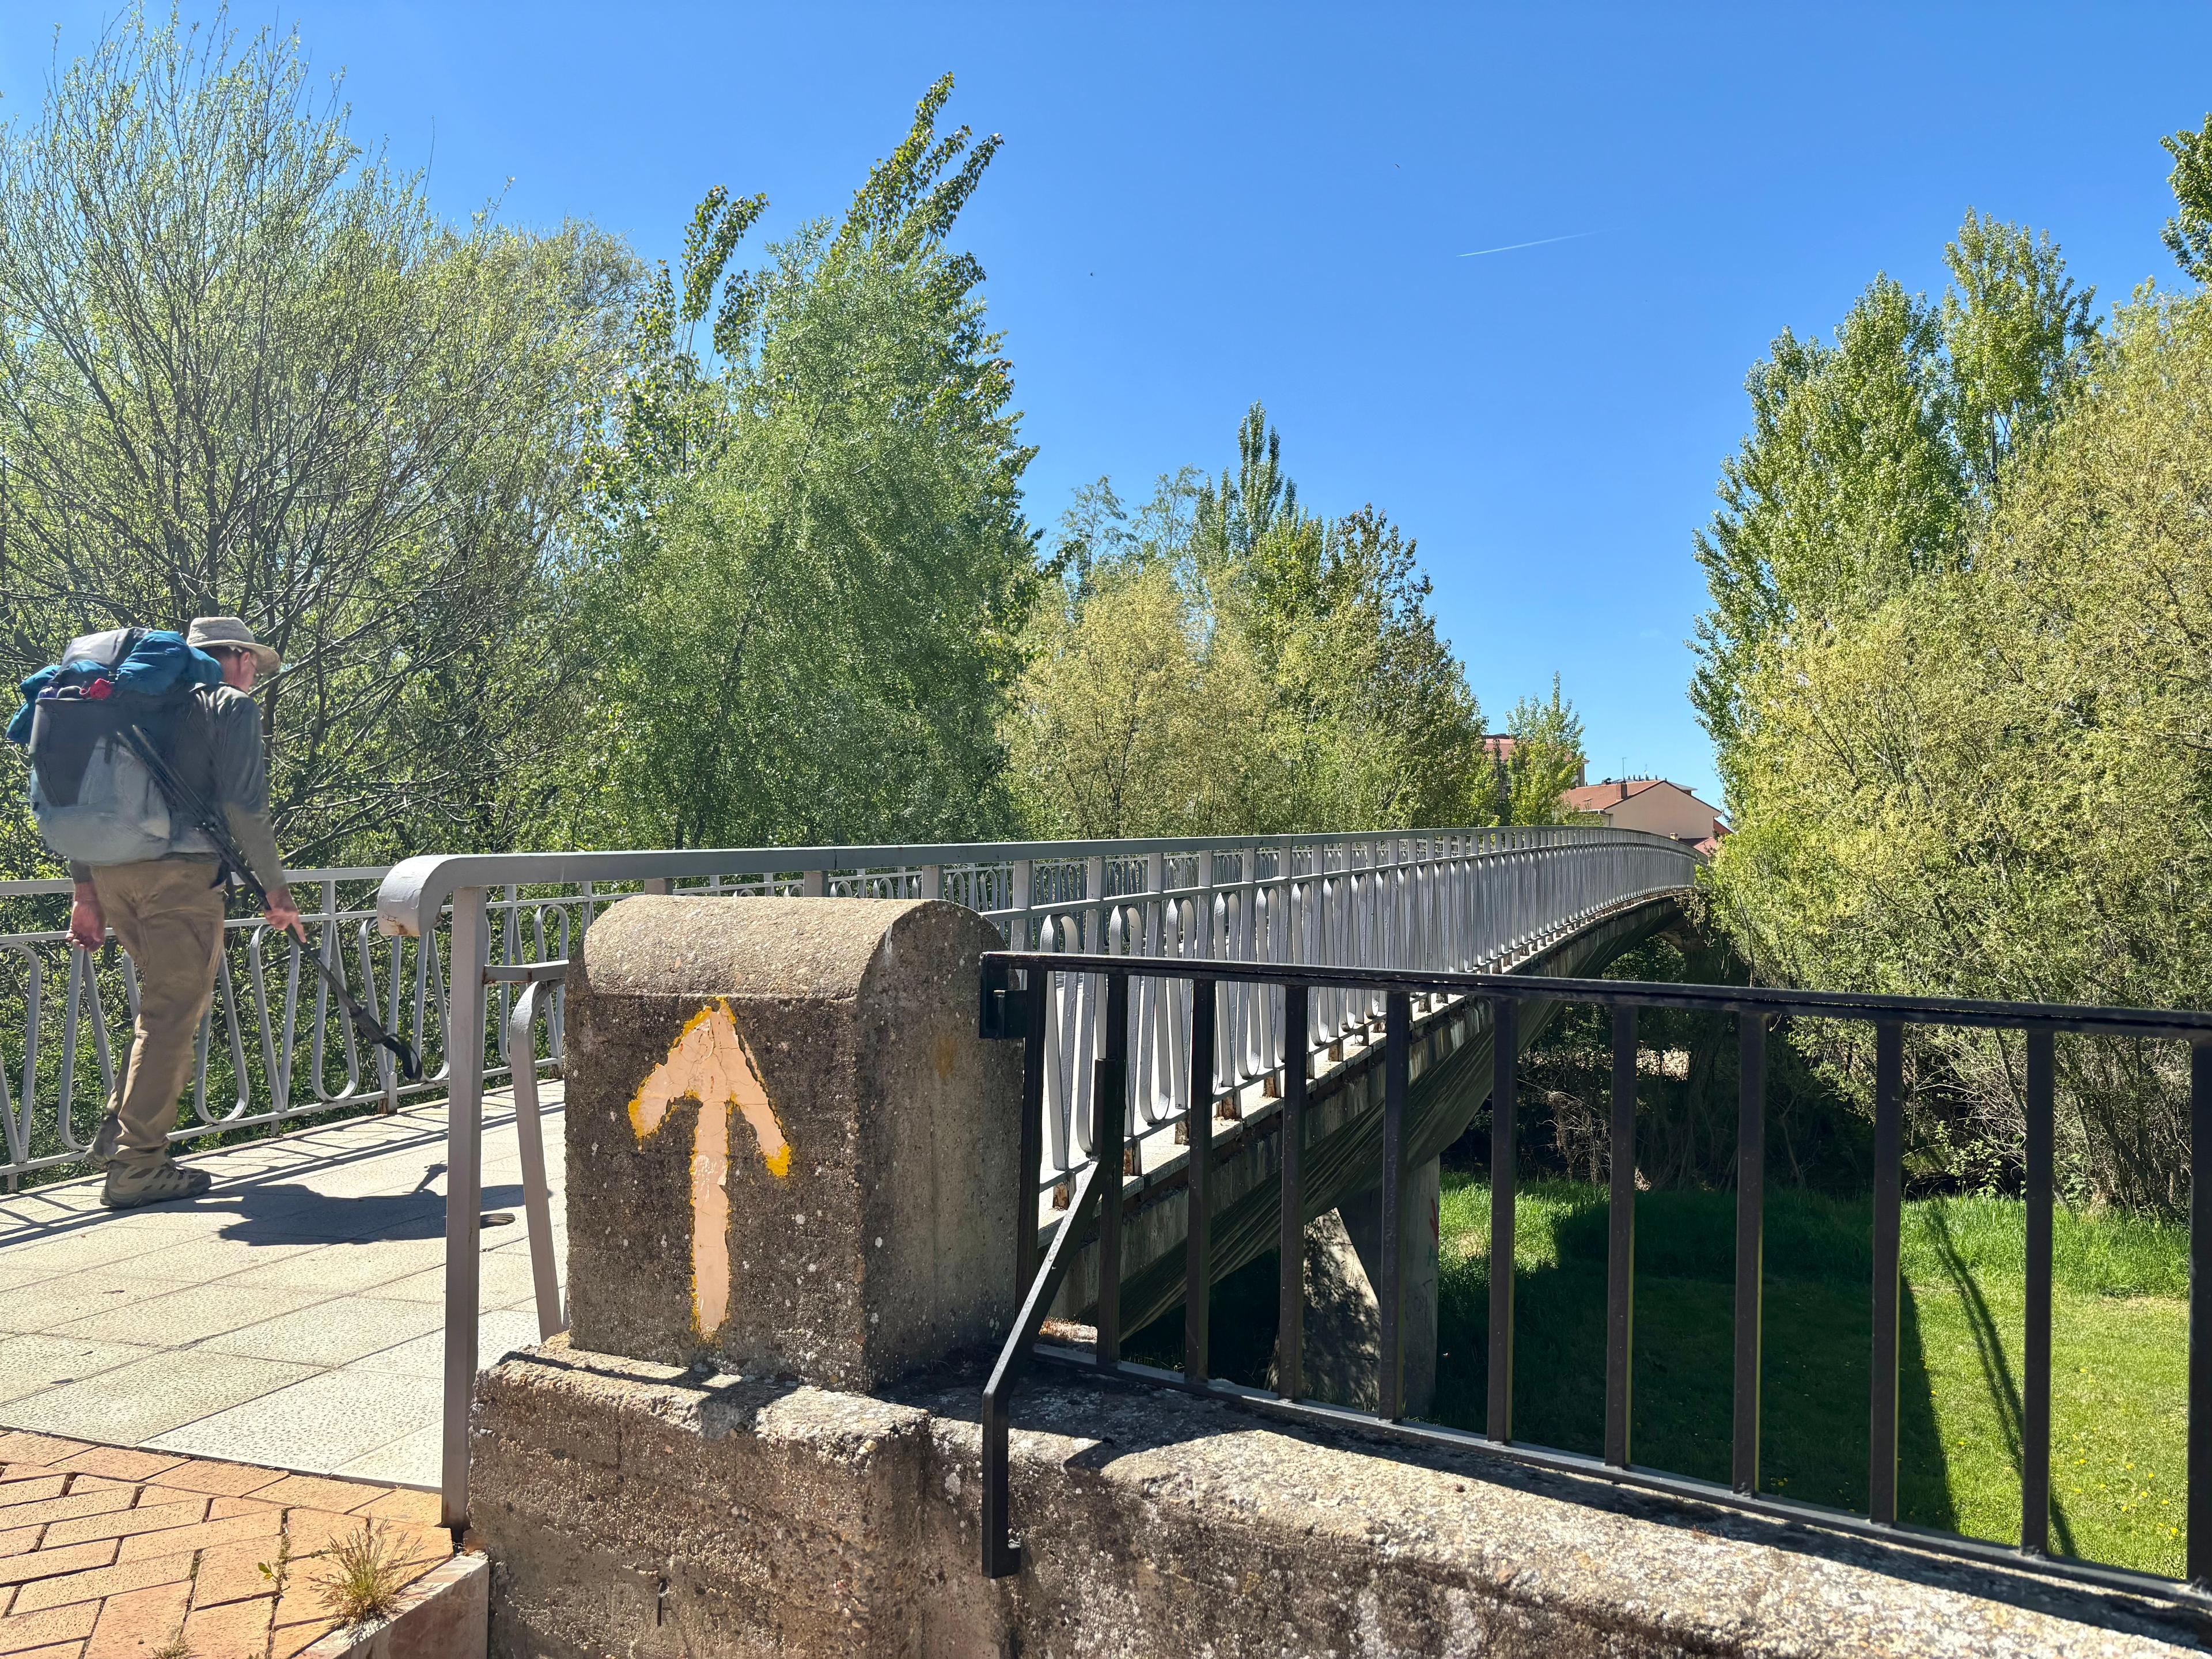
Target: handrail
(1377, 896)
(1099, 1197)
(464, 1224)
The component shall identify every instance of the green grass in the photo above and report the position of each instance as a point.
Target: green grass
(2119, 1346)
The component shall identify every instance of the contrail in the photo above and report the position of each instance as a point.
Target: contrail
(1539, 242)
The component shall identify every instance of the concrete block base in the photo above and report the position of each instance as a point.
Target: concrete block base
(639, 1510)
(442, 1616)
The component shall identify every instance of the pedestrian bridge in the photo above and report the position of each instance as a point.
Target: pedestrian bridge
(370, 1241)
(313, 1313)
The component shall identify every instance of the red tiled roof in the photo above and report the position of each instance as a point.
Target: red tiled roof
(1596, 797)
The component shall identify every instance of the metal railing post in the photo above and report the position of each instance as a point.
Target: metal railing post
(1889, 1207)
(529, 1141)
(2035, 1382)
(1198, 1271)
(1291, 1236)
(2198, 1544)
(1621, 1241)
(1750, 1243)
(464, 1040)
(1109, 1120)
(1397, 1063)
(1505, 1053)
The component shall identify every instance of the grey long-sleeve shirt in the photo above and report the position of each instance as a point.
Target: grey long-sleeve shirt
(216, 748)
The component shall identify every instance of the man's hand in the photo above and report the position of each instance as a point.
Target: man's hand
(88, 928)
(282, 915)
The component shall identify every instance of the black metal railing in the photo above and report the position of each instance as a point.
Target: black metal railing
(1015, 987)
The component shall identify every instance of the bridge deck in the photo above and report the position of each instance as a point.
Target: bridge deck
(292, 1317)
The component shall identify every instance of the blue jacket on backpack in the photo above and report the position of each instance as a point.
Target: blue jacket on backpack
(160, 662)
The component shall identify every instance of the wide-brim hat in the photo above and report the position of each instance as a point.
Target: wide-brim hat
(231, 633)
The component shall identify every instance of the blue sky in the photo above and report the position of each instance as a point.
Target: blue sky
(1200, 205)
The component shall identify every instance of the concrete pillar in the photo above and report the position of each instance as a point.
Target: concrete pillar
(1342, 1327)
(1420, 1226)
(1340, 1359)
(789, 1152)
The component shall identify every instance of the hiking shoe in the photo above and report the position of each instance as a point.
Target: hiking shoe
(128, 1188)
(107, 1143)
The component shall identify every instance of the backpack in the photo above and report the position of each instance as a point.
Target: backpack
(96, 800)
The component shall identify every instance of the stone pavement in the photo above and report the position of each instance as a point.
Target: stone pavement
(106, 1554)
(292, 1317)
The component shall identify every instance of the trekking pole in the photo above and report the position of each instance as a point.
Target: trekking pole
(187, 801)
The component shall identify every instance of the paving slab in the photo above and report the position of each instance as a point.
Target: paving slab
(398, 1460)
(29, 1364)
(292, 1317)
(131, 1404)
(333, 1332)
(318, 1423)
(499, 1332)
(66, 1297)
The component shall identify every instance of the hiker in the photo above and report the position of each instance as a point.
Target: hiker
(168, 910)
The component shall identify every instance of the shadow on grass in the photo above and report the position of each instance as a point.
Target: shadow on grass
(1998, 1380)
(1818, 1315)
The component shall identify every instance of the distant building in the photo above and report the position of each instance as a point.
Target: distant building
(1650, 804)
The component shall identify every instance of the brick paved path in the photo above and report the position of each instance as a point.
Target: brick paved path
(112, 1553)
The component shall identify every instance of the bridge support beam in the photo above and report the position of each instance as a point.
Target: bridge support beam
(1340, 1352)
(1419, 1226)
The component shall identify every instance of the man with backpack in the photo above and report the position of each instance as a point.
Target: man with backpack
(166, 905)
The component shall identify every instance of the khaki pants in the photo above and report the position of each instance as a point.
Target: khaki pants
(168, 914)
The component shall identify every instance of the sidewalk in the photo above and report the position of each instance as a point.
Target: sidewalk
(292, 1317)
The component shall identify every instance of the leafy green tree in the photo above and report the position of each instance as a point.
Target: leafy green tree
(1870, 462)
(1134, 719)
(805, 617)
(1995, 782)
(1237, 513)
(1292, 661)
(1847, 486)
(243, 368)
(2016, 339)
(1545, 761)
(2188, 234)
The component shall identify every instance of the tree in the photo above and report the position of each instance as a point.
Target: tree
(1870, 462)
(805, 609)
(243, 368)
(2016, 339)
(1545, 760)
(1847, 485)
(1133, 721)
(1276, 671)
(2188, 234)
(1995, 782)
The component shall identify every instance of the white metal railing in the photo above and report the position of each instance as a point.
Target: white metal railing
(275, 1046)
(1446, 900)
(1423, 899)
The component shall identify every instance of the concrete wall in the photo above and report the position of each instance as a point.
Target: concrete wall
(641, 1511)
(791, 1158)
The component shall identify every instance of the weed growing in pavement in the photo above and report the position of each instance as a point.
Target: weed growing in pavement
(366, 1572)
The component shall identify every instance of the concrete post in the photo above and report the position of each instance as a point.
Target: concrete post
(1420, 1227)
(1340, 1355)
(788, 1147)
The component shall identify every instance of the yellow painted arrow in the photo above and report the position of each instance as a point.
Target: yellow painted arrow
(710, 1063)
